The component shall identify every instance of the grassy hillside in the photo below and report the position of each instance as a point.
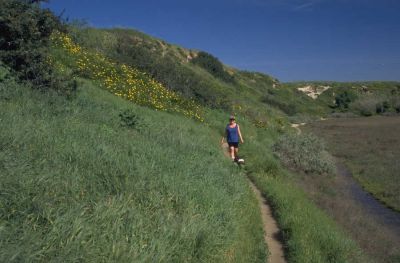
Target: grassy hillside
(176, 68)
(80, 183)
(126, 166)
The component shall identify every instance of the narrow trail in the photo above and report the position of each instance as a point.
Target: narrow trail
(272, 234)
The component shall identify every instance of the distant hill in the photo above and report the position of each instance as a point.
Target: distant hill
(353, 98)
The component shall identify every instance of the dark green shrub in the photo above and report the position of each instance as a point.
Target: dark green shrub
(343, 100)
(305, 153)
(212, 65)
(25, 31)
(382, 107)
(129, 119)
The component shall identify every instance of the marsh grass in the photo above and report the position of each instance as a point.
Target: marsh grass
(333, 195)
(370, 148)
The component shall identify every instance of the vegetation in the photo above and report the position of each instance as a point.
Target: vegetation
(341, 98)
(120, 79)
(305, 153)
(165, 63)
(309, 234)
(77, 186)
(94, 177)
(25, 31)
(212, 65)
(344, 99)
(369, 147)
(170, 65)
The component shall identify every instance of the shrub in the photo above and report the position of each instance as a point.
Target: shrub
(212, 65)
(305, 153)
(343, 100)
(365, 106)
(130, 119)
(382, 107)
(25, 31)
(397, 107)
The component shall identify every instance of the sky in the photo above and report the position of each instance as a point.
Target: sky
(292, 40)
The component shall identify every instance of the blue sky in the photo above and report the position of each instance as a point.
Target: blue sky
(339, 40)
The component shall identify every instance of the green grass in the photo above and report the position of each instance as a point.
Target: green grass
(80, 186)
(370, 148)
(76, 186)
(364, 96)
(309, 234)
(164, 63)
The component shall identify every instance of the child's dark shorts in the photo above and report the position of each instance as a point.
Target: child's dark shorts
(233, 144)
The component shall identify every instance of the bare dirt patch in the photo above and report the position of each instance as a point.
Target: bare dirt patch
(313, 91)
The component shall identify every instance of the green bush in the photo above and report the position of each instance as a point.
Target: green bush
(397, 107)
(369, 105)
(212, 65)
(344, 99)
(305, 153)
(382, 107)
(130, 119)
(25, 31)
(365, 106)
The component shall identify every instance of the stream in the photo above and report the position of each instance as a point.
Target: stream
(375, 208)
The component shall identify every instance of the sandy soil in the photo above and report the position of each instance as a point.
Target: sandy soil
(313, 91)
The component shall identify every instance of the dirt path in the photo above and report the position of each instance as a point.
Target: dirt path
(272, 234)
(297, 125)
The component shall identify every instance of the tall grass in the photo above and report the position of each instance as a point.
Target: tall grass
(309, 235)
(77, 186)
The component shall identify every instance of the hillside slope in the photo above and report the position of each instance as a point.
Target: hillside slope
(208, 81)
(81, 181)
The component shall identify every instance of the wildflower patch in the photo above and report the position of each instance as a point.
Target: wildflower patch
(120, 79)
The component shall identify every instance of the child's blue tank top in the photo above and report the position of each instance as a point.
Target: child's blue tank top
(232, 134)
